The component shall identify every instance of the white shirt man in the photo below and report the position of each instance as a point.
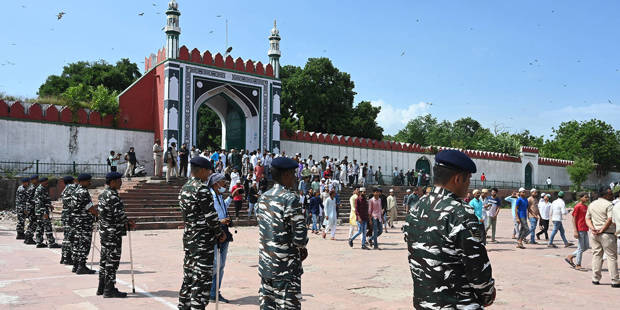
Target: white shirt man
(254, 160)
(558, 208)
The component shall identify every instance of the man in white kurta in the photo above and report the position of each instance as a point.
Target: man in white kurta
(391, 208)
(330, 215)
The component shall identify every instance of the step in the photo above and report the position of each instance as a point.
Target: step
(151, 218)
(159, 225)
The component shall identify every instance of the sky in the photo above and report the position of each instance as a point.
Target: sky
(511, 65)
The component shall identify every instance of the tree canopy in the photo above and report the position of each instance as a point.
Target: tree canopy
(319, 97)
(113, 77)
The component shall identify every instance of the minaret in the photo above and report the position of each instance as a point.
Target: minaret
(274, 50)
(172, 30)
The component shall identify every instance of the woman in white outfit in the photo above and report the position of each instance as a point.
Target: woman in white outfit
(330, 215)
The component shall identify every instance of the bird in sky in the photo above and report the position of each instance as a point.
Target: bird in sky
(609, 100)
(60, 15)
(402, 54)
(228, 50)
(211, 31)
(218, 16)
(141, 14)
(154, 4)
(324, 51)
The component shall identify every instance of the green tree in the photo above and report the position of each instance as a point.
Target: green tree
(320, 97)
(209, 130)
(77, 96)
(593, 138)
(418, 130)
(363, 123)
(579, 171)
(114, 77)
(104, 101)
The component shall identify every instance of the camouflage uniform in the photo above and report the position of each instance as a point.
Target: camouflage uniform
(21, 206)
(32, 218)
(202, 227)
(82, 222)
(43, 203)
(112, 221)
(449, 264)
(65, 218)
(282, 233)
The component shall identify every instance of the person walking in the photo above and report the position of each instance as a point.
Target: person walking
(483, 180)
(494, 207)
(599, 219)
(202, 231)
(252, 199)
(282, 240)
(581, 231)
(361, 218)
(157, 157)
(544, 207)
(558, 209)
(449, 264)
(331, 215)
(183, 160)
(352, 216)
(476, 203)
(376, 216)
(171, 163)
(132, 161)
(316, 204)
(512, 199)
(237, 193)
(533, 213)
(521, 217)
(392, 208)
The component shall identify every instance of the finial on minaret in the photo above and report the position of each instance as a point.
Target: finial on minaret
(274, 50)
(172, 29)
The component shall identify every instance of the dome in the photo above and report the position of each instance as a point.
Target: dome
(173, 5)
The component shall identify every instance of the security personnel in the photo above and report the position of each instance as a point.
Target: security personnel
(21, 208)
(202, 231)
(83, 214)
(32, 218)
(112, 227)
(42, 206)
(70, 187)
(449, 263)
(282, 240)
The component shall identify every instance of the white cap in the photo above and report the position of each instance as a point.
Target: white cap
(521, 189)
(532, 190)
(408, 191)
(362, 189)
(476, 191)
(391, 190)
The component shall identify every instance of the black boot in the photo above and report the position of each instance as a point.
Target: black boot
(111, 292)
(62, 260)
(54, 246)
(82, 269)
(101, 286)
(68, 261)
(41, 245)
(75, 267)
(20, 236)
(29, 240)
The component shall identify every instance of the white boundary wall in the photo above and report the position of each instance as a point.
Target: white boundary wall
(494, 170)
(59, 143)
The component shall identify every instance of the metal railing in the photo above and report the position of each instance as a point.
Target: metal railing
(16, 168)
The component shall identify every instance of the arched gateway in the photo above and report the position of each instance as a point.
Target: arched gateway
(245, 95)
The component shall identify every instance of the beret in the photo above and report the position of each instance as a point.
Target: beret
(456, 160)
(67, 179)
(284, 163)
(216, 177)
(84, 177)
(34, 177)
(43, 179)
(26, 179)
(201, 162)
(113, 176)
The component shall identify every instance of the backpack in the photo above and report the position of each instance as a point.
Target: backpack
(127, 157)
(108, 161)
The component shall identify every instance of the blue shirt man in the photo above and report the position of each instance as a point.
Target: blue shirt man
(221, 206)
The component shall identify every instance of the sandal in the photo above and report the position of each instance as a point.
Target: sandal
(568, 261)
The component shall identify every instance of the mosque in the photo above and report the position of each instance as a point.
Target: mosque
(245, 95)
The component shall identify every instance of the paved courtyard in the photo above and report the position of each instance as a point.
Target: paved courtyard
(336, 276)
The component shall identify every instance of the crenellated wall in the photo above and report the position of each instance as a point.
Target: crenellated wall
(390, 154)
(208, 59)
(53, 114)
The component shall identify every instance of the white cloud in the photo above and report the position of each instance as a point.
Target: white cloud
(393, 119)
